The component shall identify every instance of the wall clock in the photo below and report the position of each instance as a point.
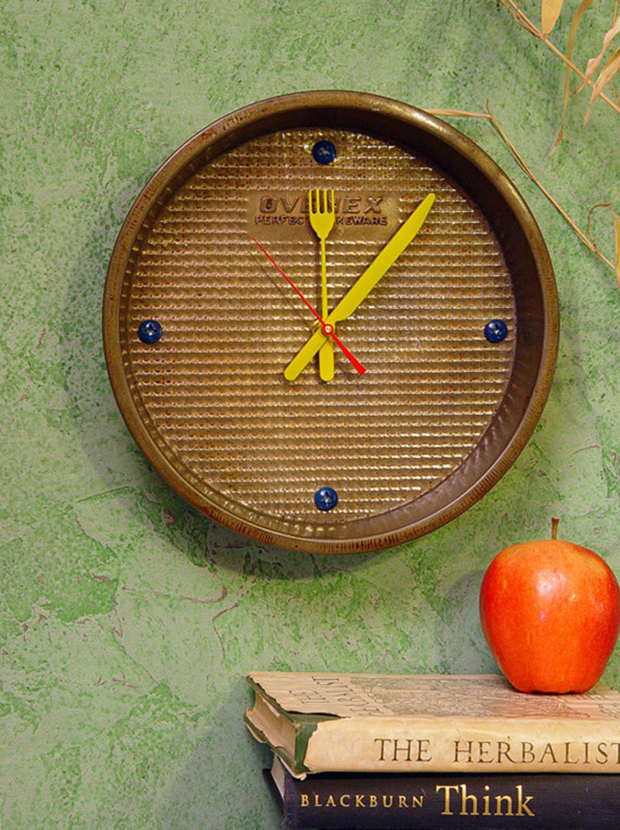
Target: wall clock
(330, 322)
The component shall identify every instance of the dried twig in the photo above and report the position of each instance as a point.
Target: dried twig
(588, 238)
(581, 10)
(616, 219)
(550, 13)
(523, 21)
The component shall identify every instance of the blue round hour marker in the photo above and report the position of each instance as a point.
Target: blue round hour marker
(150, 331)
(324, 152)
(326, 498)
(495, 331)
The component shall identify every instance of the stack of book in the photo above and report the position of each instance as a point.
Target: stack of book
(436, 751)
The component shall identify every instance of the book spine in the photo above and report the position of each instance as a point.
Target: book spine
(497, 801)
(401, 745)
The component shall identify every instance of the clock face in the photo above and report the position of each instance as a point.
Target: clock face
(216, 283)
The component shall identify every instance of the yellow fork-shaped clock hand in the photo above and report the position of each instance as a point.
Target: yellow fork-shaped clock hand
(364, 285)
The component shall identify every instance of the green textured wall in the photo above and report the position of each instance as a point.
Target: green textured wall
(128, 620)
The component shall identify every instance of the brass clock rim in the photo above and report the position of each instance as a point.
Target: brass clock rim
(304, 108)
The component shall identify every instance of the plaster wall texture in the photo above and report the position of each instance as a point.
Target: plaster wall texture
(128, 620)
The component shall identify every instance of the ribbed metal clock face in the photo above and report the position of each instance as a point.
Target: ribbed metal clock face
(441, 409)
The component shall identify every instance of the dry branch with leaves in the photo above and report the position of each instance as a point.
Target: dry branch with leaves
(598, 76)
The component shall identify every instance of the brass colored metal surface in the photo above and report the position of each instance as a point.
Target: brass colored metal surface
(440, 414)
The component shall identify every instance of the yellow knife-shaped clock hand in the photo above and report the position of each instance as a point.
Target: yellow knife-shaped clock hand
(364, 285)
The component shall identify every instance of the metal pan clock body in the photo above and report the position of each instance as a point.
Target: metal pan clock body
(458, 339)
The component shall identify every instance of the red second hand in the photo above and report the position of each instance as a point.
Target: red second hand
(328, 329)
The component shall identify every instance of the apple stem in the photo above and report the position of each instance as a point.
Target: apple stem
(554, 528)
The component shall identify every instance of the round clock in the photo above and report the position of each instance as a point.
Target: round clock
(330, 322)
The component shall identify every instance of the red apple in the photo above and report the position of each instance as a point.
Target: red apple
(550, 613)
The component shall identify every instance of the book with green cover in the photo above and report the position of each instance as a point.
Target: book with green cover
(329, 722)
